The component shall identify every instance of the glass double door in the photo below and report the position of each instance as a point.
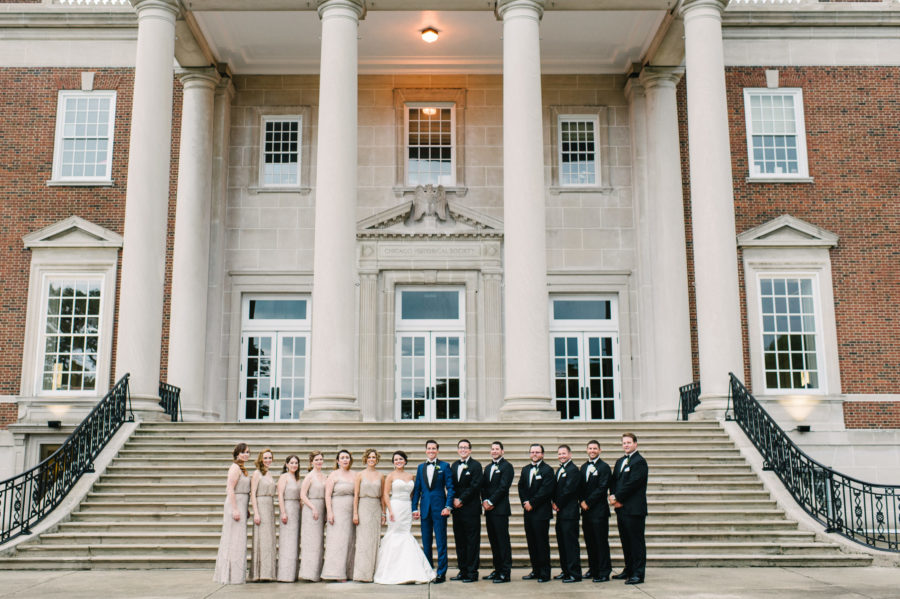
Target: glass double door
(430, 376)
(586, 376)
(274, 376)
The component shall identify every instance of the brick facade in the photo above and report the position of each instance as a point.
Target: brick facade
(872, 414)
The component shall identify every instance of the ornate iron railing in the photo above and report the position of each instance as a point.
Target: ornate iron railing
(863, 512)
(689, 399)
(170, 400)
(27, 498)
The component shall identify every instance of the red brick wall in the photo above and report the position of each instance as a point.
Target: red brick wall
(872, 414)
(8, 414)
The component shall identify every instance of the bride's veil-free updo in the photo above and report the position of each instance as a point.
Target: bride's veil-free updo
(402, 454)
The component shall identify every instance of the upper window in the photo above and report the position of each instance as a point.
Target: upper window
(789, 332)
(431, 151)
(84, 136)
(71, 334)
(579, 162)
(776, 138)
(280, 151)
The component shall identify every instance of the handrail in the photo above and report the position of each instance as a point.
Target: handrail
(688, 400)
(863, 512)
(170, 400)
(27, 498)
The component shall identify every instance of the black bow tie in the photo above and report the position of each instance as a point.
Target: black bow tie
(431, 463)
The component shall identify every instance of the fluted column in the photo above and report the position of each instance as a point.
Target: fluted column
(333, 344)
(527, 376)
(712, 203)
(668, 301)
(139, 317)
(190, 262)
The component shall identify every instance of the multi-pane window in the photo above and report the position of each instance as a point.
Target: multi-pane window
(578, 159)
(430, 147)
(281, 151)
(71, 334)
(789, 333)
(84, 135)
(776, 139)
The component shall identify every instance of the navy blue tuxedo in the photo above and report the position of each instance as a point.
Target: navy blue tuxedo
(429, 500)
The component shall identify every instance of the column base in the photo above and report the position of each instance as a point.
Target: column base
(328, 409)
(528, 409)
(147, 409)
(711, 407)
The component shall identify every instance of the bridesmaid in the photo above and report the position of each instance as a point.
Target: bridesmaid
(368, 517)
(262, 496)
(231, 562)
(312, 528)
(339, 509)
(289, 534)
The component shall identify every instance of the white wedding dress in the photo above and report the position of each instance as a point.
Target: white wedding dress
(400, 557)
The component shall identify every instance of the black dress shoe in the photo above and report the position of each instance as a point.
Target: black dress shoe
(543, 580)
(501, 578)
(529, 576)
(571, 579)
(439, 579)
(588, 574)
(490, 576)
(634, 580)
(621, 576)
(559, 576)
(602, 579)
(468, 580)
(457, 577)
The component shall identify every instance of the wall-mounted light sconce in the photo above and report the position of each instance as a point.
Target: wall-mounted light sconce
(429, 35)
(803, 428)
(54, 423)
(429, 111)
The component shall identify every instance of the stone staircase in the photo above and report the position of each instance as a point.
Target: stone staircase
(159, 504)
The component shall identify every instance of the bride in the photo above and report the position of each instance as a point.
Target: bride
(400, 557)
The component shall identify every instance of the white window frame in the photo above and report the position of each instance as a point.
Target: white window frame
(267, 118)
(800, 127)
(64, 95)
(444, 325)
(578, 118)
(453, 145)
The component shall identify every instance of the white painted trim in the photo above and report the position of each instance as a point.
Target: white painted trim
(58, 178)
(266, 118)
(594, 119)
(800, 132)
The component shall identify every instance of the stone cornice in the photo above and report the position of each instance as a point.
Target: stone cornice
(802, 18)
(60, 18)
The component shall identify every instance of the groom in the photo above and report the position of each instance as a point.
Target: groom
(434, 487)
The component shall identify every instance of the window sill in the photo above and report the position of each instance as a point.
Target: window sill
(457, 190)
(76, 183)
(255, 189)
(558, 189)
(779, 180)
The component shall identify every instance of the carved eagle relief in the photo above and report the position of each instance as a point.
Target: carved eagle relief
(430, 201)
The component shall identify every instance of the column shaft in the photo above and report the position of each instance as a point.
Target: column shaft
(146, 201)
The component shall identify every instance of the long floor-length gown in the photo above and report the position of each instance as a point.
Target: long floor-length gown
(312, 532)
(262, 560)
(231, 561)
(339, 536)
(400, 557)
(368, 531)
(289, 534)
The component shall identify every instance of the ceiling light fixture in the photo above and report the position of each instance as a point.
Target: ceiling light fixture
(429, 111)
(429, 35)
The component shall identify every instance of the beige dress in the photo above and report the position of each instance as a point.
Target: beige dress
(231, 562)
(368, 532)
(262, 560)
(339, 536)
(312, 532)
(289, 534)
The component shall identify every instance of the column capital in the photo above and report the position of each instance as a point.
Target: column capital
(505, 6)
(225, 87)
(634, 87)
(652, 77)
(206, 77)
(153, 8)
(357, 7)
(689, 6)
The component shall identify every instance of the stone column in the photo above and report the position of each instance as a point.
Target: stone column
(368, 346)
(139, 318)
(712, 203)
(667, 260)
(333, 345)
(190, 262)
(527, 326)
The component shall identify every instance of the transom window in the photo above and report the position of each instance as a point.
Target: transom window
(789, 332)
(776, 140)
(431, 152)
(84, 135)
(281, 151)
(578, 160)
(71, 334)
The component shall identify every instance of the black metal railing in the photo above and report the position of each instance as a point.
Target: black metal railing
(863, 512)
(27, 498)
(170, 400)
(689, 399)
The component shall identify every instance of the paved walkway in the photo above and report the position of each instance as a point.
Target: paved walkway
(665, 583)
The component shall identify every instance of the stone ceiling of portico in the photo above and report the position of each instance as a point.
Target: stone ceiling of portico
(287, 42)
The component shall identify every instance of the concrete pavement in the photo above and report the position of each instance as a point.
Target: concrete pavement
(662, 583)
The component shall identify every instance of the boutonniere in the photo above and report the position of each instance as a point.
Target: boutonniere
(591, 469)
(464, 466)
(437, 468)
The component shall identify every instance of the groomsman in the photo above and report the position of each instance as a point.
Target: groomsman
(629, 497)
(495, 495)
(536, 486)
(467, 476)
(594, 485)
(565, 504)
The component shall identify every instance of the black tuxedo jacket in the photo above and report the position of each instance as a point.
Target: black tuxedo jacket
(538, 491)
(566, 494)
(495, 487)
(630, 485)
(594, 480)
(467, 487)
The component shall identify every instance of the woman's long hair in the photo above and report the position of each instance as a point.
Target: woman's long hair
(238, 450)
(287, 461)
(259, 460)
